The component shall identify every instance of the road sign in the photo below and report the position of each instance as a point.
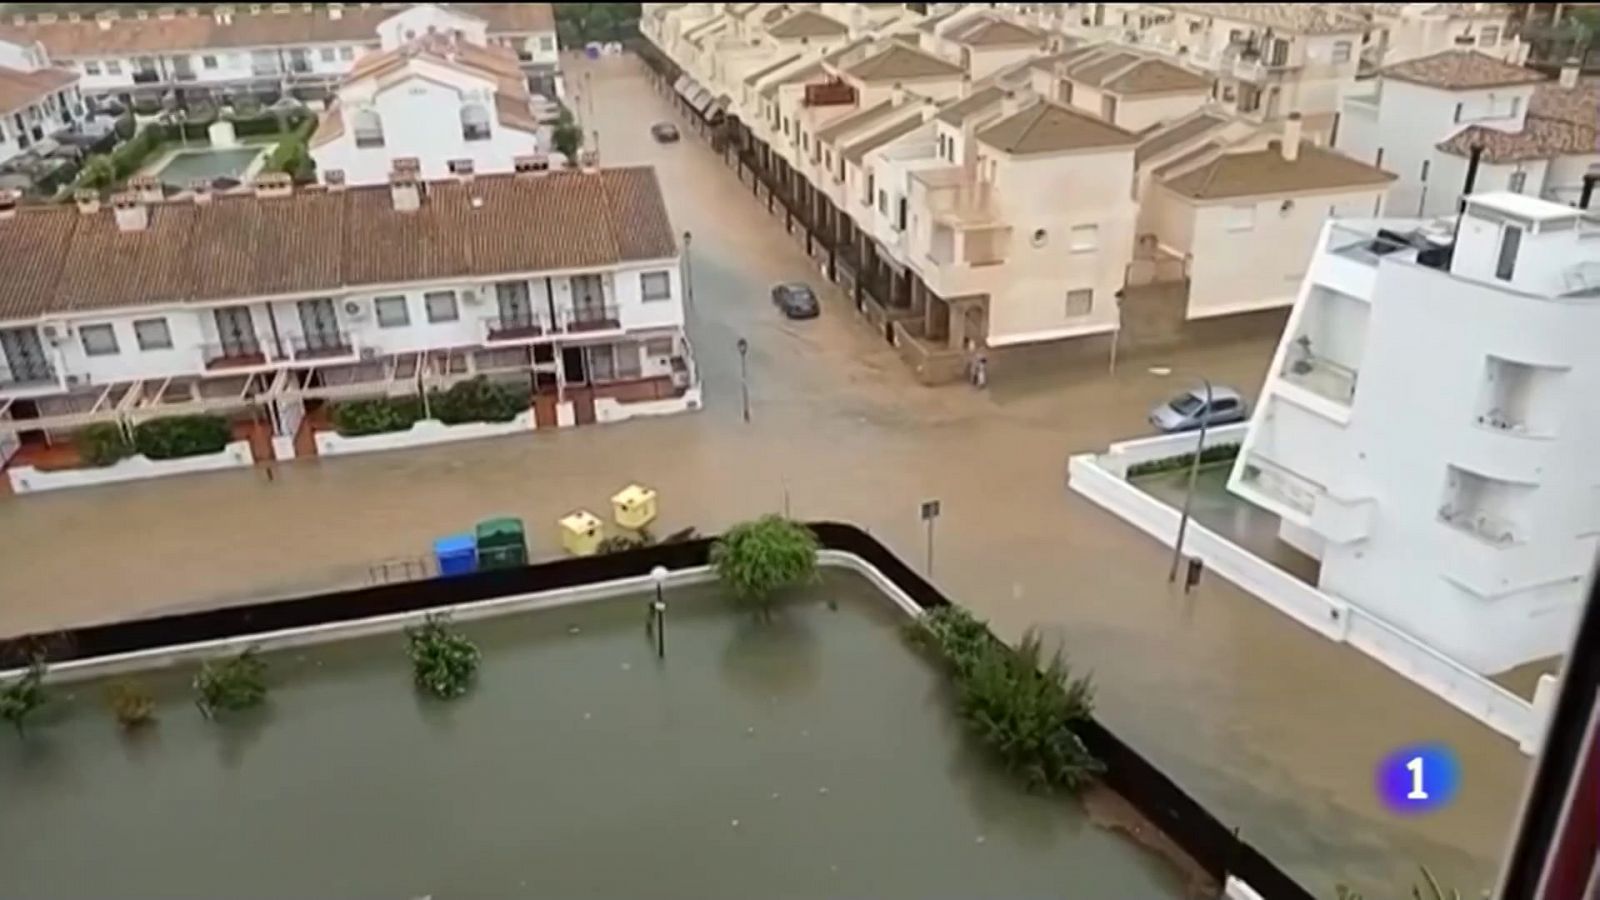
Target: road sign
(930, 510)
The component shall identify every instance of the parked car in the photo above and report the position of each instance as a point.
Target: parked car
(664, 132)
(1186, 411)
(797, 300)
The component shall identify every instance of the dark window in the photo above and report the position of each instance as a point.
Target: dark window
(901, 216)
(1510, 241)
(1458, 112)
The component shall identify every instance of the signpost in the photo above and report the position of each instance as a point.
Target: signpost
(930, 511)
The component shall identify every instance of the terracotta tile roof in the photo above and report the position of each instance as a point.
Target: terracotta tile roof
(770, 89)
(764, 71)
(329, 127)
(1092, 69)
(1456, 70)
(19, 89)
(775, 14)
(858, 151)
(1265, 171)
(1048, 63)
(1048, 127)
(514, 113)
(293, 26)
(931, 24)
(957, 112)
(1301, 18)
(1560, 122)
(1164, 139)
(808, 24)
(1154, 76)
(899, 61)
(992, 31)
(1579, 104)
(850, 53)
(854, 120)
(240, 246)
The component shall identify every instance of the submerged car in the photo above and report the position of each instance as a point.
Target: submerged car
(1189, 409)
(664, 132)
(797, 300)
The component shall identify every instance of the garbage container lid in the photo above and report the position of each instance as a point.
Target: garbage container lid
(633, 495)
(507, 528)
(580, 521)
(452, 544)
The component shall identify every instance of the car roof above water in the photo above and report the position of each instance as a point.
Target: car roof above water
(1218, 392)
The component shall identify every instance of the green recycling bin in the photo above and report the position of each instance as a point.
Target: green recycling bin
(502, 544)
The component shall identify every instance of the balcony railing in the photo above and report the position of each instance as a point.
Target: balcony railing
(1292, 489)
(146, 76)
(234, 355)
(593, 318)
(367, 141)
(1496, 530)
(1321, 376)
(331, 345)
(35, 375)
(515, 328)
(475, 132)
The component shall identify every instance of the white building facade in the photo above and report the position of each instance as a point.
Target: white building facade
(37, 99)
(1426, 432)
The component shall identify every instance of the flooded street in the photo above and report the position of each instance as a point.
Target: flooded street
(1273, 728)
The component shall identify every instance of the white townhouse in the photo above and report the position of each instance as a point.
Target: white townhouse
(37, 99)
(564, 284)
(1427, 426)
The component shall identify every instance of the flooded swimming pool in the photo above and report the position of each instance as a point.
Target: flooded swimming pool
(812, 756)
(188, 166)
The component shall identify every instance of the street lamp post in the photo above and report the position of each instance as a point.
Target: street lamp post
(1188, 497)
(744, 376)
(688, 270)
(658, 611)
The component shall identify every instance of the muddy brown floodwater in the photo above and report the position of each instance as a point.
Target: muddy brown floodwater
(1274, 728)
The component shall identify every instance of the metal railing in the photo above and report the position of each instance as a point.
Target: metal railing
(1362, 246)
(1496, 530)
(28, 376)
(507, 328)
(593, 318)
(1322, 376)
(366, 141)
(234, 354)
(321, 346)
(1290, 488)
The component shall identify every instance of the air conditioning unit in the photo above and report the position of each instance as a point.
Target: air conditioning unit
(368, 354)
(52, 333)
(355, 309)
(77, 380)
(473, 296)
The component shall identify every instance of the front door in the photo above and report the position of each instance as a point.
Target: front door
(236, 332)
(588, 299)
(320, 326)
(24, 355)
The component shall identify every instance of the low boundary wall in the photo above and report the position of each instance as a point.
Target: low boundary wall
(27, 479)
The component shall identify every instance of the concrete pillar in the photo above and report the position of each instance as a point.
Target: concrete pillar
(956, 314)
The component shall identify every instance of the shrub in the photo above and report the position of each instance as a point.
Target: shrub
(293, 156)
(443, 661)
(103, 443)
(131, 703)
(1020, 704)
(126, 126)
(23, 697)
(98, 173)
(1434, 890)
(758, 558)
(229, 685)
(176, 437)
(1213, 454)
(477, 400)
(567, 137)
(379, 415)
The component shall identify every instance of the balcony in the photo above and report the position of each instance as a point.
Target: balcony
(1290, 494)
(505, 329)
(368, 140)
(233, 355)
(146, 76)
(1321, 376)
(475, 132)
(35, 375)
(331, 345)
(1492, 529)
(603, 317)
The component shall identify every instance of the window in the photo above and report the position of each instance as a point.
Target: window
(1425, 171)
(1084, 238)
(1458, 112)
(152, 334)
(547, 44)
(883, 202)
(1080, 302)
(900, 216)
(1378, 160)
(474, 122)
(208, 62)
(1517, 182)
(1341, 51)
(1489, 36)
(654, 286)
(1240, 218)
(91, 67)
(326, 54)
(870, 181)
(392, 312)
(1516, 107)
(368, 128)
(660, 347)
(441, 306)
(113, 67)
(347, 53)
(1510, 242)
(98, 340)
(460, 166)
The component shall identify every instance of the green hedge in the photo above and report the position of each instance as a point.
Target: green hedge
(176, 437)
(1213, 454)
(355, 418)
(293, 155)
(103, 444)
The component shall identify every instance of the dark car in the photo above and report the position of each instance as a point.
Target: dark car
(796, 300)
(664, 132)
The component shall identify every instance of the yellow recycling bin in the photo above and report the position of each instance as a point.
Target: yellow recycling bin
(582, 532)
(634, 507)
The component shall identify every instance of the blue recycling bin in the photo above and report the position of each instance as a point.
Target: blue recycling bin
(456, 554)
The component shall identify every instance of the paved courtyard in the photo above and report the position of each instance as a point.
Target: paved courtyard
(1272, 727)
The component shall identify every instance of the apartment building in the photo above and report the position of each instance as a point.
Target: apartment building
(451, 105)
(1532, 135)
(1130, 88)
(1400, 32)
(268, 302)
(1452, 492)
(137, 50)
(37, 99)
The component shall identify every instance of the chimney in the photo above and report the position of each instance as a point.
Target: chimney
(589, 160)
(1010, 104)
(8, 202)
(335, 12)
(532, 164)
(334, 179)
(273, 184)
(858, 20)
(147, 188)
(1473, 161)
(88, 201)
(898, 94)
(1291, 138)
(930, 108)
(409, 165)
(131, 215)
(966, 84)
(200, 188)
(405, 191)
(1588, 189)
(463, 170)
(1569, 74)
